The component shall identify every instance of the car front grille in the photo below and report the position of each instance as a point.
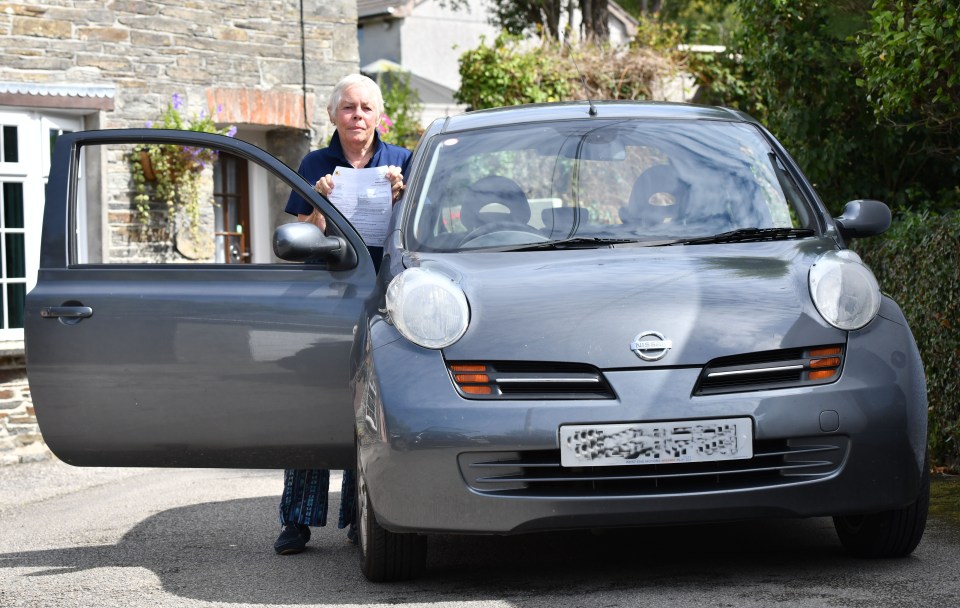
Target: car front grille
(539, 473)
(528, 380)
(770, 370)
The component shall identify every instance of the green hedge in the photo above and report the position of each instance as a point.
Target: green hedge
(916, 263)
(510, 71)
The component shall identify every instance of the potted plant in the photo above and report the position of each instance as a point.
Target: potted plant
(172, 174)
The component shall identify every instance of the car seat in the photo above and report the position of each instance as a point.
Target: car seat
(658, 197)
(494, 199)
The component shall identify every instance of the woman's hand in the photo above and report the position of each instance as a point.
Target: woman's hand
(316, 218)
(395, 178)
(324, 185)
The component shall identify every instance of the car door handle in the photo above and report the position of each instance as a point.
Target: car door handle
(66, 312)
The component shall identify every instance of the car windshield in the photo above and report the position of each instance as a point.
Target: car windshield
(593, 183)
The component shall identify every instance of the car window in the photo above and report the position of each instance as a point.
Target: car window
(634, 179)
(172, 204)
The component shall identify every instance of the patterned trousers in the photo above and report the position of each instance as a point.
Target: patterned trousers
(304, 499)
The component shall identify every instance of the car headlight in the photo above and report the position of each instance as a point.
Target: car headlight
(844, 291)
(427, 308)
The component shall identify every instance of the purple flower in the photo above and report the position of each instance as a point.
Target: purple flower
(232, 131)
(219, 108)
(177, 101)
(149, 124)
(203, 114)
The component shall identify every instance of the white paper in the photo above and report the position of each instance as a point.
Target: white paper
(365, 198)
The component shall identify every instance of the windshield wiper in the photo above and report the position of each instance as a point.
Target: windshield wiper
(577, 242)
(744, 235)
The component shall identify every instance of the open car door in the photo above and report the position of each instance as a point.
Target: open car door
(142, 350)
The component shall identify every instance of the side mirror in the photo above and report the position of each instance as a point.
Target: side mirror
(863, 218)
(301, 241)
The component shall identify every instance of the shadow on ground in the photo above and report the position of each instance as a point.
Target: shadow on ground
(222, 552)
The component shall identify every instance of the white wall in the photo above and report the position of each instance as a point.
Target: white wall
(379, 40)
(261, 216)
(431, 34)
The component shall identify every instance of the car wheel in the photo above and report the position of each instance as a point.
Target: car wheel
(893, 533)
(387, 556)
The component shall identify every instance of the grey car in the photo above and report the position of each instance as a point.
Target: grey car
(587, 316)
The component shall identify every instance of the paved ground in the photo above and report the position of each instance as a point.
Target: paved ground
(148, 537)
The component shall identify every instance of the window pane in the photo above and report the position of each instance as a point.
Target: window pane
(14, 263)
(12, 205)
(632, 179)
(11, 146)
(164, 204)
(16, 294)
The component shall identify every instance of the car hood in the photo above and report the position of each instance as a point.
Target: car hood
(589, 306)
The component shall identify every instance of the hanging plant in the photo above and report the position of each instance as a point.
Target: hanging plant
(171, 174)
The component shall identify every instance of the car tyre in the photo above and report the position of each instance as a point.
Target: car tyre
(386, 556)
(886, 534)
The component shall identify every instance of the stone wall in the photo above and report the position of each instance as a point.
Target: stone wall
(253, 57)
(20, 439)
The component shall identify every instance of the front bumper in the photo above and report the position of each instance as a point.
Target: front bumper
(435, 462)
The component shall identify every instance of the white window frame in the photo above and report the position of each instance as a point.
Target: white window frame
(32, 169)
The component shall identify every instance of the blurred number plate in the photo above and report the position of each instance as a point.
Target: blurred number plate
(599, 445)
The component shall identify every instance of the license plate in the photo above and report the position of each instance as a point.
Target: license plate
(601, 445)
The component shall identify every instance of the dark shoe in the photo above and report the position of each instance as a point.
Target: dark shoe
(293, 539)
(352, 536)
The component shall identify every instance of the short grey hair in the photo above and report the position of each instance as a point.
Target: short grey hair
(353, 80)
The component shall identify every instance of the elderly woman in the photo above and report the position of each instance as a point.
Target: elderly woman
(355, 109)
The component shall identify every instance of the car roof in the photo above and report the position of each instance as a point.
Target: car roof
(573, 110)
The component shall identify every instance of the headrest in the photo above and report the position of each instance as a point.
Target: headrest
(491, 190)
(657, 197)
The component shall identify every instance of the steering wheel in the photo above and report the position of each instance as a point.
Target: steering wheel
(520, 232)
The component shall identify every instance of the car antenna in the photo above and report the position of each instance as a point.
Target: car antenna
(586, 91)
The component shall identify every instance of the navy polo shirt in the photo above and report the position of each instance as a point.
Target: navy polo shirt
(322, 162)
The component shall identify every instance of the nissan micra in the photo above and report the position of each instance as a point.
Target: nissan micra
(587, 316)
